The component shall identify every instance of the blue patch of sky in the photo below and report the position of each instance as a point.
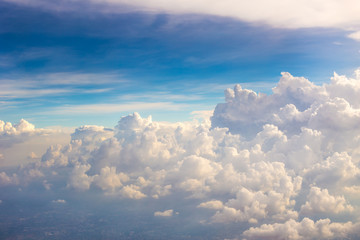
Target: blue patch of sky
(150, 54)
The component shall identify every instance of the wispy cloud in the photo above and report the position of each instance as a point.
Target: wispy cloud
(33, 86)
(162, 96)
(79, 79)
(117, 108)
(10, 92)
(19, 56)
(282, 14)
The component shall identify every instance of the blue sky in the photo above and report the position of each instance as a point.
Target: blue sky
(91, 63)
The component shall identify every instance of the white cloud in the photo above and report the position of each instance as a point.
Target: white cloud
(117, 108)
(109, 179)
(80, 79)
(79, 179)
(61, 201)
(355, 35)
(253, 206)
(336, 171)
(32, 141)
(319, 200)
(214, 204)
(9, 92)
(42, 85)
(22, 127)
(263, 160)
(132, 192)
(306, 229)
(166, 213)
(289, 14)
(294, 104)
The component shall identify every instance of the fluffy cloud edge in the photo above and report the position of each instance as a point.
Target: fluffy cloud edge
(258, 178)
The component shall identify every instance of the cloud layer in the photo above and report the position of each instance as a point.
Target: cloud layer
(281, 14)
(286, 165)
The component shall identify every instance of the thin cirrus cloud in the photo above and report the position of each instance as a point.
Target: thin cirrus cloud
(63, 79)
(80, 79)
(15, 92)
(117, 107)
(58, 83)
(161, 95)
(278, 166)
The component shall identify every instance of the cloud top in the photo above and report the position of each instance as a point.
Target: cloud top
(284, 165)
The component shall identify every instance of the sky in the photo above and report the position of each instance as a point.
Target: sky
(179, 119)
(73, 63)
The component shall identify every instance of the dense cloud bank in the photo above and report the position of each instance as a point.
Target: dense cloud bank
(285, 164)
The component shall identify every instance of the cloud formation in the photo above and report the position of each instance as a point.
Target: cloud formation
(321, 201)
(306, 229)
(280, 14)
(286, 165)
(32, 142)
(166, 213)
(11, 134)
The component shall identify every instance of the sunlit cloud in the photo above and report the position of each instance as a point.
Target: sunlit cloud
(355, 35)
(283, 165)
(180, 123)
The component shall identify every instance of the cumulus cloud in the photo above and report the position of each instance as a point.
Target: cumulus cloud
(5, 179)
(275, 163)
(109, 179)
(11, 134)
(214, 204)
(306, 229)
(295, 104)
(166, 213)
(321, 201)
(33, 141)
(79, 179)
(23, 127)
